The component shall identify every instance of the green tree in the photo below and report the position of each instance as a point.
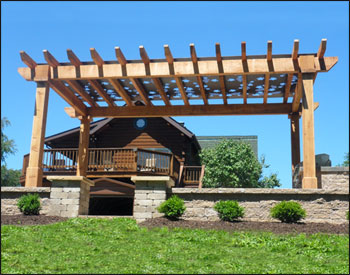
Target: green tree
(9, 177)
(234, 164)
(346, 159)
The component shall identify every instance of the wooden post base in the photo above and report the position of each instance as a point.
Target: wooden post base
(34, 177)
(309, 182)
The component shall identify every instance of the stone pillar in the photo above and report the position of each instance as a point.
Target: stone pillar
(150, 192)
(70, 195)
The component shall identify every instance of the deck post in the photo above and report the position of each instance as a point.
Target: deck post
(34, 175)
(309, 175)
(295, 139)
(84, 137)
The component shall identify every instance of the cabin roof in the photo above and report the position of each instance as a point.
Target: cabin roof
(98, 125)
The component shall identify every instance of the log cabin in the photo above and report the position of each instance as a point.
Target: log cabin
(123, 147)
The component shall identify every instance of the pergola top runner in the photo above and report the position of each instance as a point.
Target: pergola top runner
(111, 88)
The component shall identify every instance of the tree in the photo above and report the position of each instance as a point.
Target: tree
(234, 164)
(346, 159)
(9, 177)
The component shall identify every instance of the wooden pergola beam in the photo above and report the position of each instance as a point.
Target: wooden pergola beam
(141, 90)
(191, 110)
(298, 93)
(182, 91)
(26, 59)
(68, 96)
(266, 87)
(96, 57)
(158, 83)
(101, 91)
(199, 79)
(287, 87)
(221, 70)
(121, 91)
(50, 59)
(81, 91)
(281, 65)
(120, 56)
(320, 53)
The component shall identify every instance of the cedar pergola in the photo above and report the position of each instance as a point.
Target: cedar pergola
(111, 88)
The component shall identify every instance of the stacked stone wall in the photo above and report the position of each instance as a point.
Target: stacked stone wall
(321, 205)
(11, 195)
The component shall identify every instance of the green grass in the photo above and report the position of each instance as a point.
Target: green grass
(120, 246)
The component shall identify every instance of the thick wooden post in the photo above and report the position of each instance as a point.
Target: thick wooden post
(295, 139)
(84, 138)
(309, 175)
(34, 175)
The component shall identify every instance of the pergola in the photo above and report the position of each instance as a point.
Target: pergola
(194, 86)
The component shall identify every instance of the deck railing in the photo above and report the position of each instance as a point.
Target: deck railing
(109, 159)
(192, 176)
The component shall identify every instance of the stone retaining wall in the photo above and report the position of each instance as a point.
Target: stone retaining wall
(11, 195)
(320, 205)
(327, 178)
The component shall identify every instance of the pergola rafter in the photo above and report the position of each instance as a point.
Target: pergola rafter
(93, 88)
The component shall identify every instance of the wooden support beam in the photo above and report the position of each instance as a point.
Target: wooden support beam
(266, 87)
(199, 79)
(244, 51)
(81, 91)
(83, 151)
(120, 56)
(73, 58)
(96, 57)
(34, 171)
(316, 105)
(97, 86)
(295, 139)
(121, 91)
(287, 87)
(192, 110)
(269, 51)
(244, 83)
(297, 94)
(182, 68)
(144, 55)
(26, 59)
(320, 53)
(309, 165)
(68, 96)
(50, 59)
(141, 90)
(182, 90)
(168, 55)
(295, 49)
(158, 83)
(221, 70)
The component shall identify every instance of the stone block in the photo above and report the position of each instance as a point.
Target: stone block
(157, 215)
(146, 215)
(73, 195)
(157, 196)
(58, 207)
(140, 197)
(69, 214)
(143, 202)
(70, 201)
(55, 201)
(53, 212)
(72, 207)
(71, 189)
(58, 195)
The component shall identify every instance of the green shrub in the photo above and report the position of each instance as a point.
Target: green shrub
(173, 207)
(229, 210)
(29, 204)
(288, 211)
(347, 215)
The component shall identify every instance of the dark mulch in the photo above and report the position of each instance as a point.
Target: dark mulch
(275, 227)
(29, 220)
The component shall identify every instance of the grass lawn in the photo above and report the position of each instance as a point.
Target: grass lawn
(120, 246)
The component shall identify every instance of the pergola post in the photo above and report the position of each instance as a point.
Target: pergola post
(84, 136)
(34, 173)
(295, 139)
(309, 175)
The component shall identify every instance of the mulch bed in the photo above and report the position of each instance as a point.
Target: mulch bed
(275, 227)
(29, 220)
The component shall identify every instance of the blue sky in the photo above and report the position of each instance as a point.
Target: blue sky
(57, 26)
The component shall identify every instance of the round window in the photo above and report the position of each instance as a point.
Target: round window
(140, 123)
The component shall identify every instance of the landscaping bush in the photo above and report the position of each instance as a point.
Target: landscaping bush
(173, 207)
(229, 210)
(288, 212)
(347, 215)
(29, 204)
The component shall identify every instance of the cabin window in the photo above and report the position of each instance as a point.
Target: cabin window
(163, 150)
